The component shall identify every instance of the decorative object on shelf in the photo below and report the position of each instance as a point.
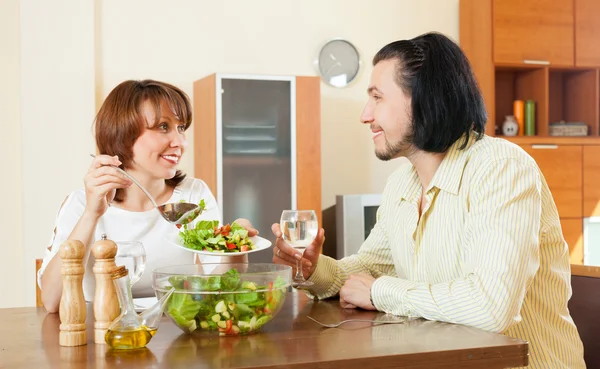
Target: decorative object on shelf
(510, 127)
(529, 118)
(563, 128)
(519, 113)
(338, 62)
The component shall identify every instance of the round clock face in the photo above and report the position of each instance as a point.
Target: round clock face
(338, 63)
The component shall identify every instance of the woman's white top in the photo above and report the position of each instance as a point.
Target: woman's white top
(148, 227)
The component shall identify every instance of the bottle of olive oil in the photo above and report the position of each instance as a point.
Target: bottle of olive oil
(127, 331)
(129, 337)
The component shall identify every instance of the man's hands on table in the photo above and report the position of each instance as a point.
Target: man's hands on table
(356, 292)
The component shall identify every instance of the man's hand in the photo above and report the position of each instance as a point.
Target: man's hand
(356, 292)
(287, 255)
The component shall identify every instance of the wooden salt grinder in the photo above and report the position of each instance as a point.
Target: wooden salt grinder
(72, 309)
(106, 303)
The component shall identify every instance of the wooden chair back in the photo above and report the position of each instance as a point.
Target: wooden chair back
(38, 292)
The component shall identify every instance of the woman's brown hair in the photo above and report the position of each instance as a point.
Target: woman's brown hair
(120, 122)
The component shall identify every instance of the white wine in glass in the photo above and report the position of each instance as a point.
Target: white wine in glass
(299, 229)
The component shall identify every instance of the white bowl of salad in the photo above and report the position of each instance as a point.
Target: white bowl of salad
(224, 299)
(209, 238)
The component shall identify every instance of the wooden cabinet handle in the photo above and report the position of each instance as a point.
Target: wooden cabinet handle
(540, 62)
(545, 146)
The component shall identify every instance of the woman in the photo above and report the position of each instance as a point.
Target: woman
(141, 128)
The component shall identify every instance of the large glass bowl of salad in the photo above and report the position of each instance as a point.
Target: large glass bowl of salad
(225, 299)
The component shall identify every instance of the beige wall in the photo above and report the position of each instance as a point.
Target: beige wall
(180, 44)
(58, 106)
(11, 186)
(68, 67)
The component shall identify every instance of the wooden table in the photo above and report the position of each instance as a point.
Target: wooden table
(29, 339)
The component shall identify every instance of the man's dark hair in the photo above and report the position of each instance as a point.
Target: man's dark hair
(446, 101)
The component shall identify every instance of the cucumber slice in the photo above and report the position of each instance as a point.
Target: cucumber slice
(220, 307)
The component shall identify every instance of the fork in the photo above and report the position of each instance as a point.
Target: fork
(335, 325)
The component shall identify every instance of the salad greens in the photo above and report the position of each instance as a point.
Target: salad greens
(238, 307)
(208, 236)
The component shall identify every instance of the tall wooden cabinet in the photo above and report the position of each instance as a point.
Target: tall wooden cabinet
(546, 51)
(257, 145)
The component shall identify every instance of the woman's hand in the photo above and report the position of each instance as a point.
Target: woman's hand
(287, 255)
(246, 224)
(101, 183)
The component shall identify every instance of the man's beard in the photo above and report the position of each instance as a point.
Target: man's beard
(402, 147)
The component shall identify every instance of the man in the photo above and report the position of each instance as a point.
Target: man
(467, 231)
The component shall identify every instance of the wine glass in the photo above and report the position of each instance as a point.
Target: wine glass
(299, 229)
(133, 255)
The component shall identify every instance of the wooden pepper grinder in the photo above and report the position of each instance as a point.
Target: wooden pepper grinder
(72, 309)
(106, 303)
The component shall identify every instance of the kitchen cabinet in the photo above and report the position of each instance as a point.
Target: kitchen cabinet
(540, 50)
(545, 51)
(591, 181)
(561, 165)
(572, 229)
(573, 176)
(257, 146)
(587, 28)
(533, 31)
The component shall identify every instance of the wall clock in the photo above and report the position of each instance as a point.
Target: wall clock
(338, 62)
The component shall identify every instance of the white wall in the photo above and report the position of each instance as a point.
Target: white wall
(74, 52)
